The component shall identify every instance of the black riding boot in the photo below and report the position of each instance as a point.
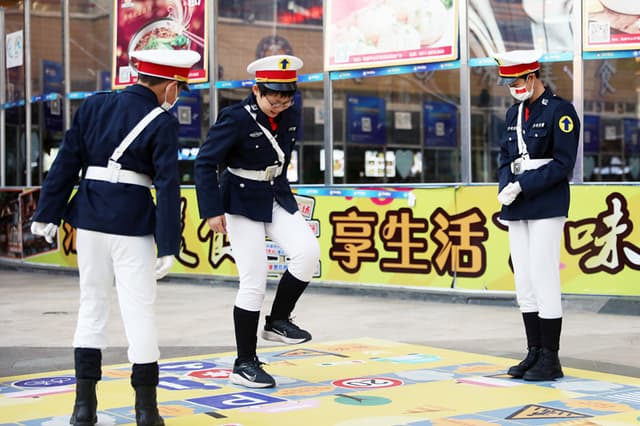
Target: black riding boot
(547, 368)
(529, 361)
(144, 379)
(86, 405)
(548, 365)
(147, 407)
(532, 329)
(87, 362)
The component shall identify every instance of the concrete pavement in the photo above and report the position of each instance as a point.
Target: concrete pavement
(38, 312)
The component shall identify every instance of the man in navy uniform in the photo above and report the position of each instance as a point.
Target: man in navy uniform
(253, 140)
(537, 156)
(123, 143)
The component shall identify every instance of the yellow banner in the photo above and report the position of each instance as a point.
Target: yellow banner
(447, 237)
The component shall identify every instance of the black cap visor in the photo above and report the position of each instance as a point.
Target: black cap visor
(506, 81)
(281, 87)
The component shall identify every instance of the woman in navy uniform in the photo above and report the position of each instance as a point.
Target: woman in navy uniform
(122, 143)
(250, 146)
(537, 156)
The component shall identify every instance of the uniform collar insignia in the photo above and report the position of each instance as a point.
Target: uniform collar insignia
(545, 101)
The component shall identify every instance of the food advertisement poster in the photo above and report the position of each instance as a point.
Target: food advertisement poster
(611, 24)
(158, 24)
(379, 33)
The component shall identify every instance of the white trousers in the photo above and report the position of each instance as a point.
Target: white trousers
(130, 261)
(535, 253)
(248, 247)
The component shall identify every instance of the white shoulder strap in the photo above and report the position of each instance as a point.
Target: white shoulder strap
(269, 135)
(522, 146)
(133, 134)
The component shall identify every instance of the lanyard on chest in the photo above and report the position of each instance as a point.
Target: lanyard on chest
(522, 146)
(268, 134)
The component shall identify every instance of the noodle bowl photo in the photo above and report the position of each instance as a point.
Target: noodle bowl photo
(160, 34)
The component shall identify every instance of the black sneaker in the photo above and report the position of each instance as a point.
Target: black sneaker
(251, 374)
(284, 331)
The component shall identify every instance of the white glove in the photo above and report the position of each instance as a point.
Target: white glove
(46, 230)
(509, 193)
(163, 266)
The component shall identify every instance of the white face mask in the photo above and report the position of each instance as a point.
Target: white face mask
(166, 105)
(521, 93)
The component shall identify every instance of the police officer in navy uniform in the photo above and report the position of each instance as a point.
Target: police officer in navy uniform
(123, 143)
(250, 147)
(537, 156)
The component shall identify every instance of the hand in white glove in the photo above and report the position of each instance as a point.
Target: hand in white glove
(46, 230)
(163, 266)
(509, 193)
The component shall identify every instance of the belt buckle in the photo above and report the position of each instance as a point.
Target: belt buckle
(114, 168)
(270, 172)
(516, 166)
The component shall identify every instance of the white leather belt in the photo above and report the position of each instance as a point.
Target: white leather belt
(115, 174)
(267, 174)
(520, 165)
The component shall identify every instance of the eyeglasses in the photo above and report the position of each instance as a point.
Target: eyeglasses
(278, 105)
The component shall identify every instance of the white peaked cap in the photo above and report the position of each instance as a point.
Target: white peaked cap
(277, 72)
(516, 64)
(166, 63)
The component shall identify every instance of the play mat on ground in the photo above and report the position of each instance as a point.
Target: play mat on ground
(362, 382)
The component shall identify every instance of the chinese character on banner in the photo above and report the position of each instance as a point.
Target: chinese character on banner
(459, 239)
(601, 241)
(219, 244)
(397, 233)
(186, 257)
(353, 238)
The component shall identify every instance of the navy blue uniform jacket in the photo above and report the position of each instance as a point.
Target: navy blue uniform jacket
(236, 141)
(552, 131)
(98, 127)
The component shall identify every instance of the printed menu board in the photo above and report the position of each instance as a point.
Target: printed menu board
(611, 24)
(368, 34)
(158, 24)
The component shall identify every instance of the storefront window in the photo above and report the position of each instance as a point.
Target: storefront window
(14, 95)
(240, 41)
(47, 86)
(402, 128)
(90, 46)
(301, 12)
(612, 120)
(398, 129)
